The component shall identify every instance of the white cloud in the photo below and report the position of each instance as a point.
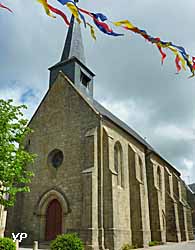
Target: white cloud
(187, 173)
(171, 131)
(128, 111)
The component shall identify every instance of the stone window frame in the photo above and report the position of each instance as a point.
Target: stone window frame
(139, 169)
(163, 220)
(52, 154)
(180, 191)
(179, 194)
(159, 178)
(119, 168)
(157, 168)
(170, 182)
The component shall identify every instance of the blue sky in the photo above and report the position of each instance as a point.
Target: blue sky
(130, 80)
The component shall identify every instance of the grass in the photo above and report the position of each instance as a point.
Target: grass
(155, 243)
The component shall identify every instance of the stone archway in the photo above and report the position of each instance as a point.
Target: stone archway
(52, 201)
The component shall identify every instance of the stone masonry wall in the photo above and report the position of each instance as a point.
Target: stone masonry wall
(131, 197)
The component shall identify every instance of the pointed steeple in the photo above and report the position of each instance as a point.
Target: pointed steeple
(74, 43)
(72, 62)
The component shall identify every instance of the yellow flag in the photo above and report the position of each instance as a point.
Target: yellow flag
(45, 6)
(74, 11)
(126, 23)
(175, 51)
(92, 30)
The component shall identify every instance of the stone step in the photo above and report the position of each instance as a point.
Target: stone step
(44, 245)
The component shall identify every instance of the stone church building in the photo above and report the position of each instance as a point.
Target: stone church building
(94, 175)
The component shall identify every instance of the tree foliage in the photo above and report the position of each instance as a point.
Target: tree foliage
(14, 173)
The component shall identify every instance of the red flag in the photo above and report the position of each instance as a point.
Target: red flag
(4, 7)
(85, 11)
(162, 53)
(193, 61)
(177, 61)
(59, 12)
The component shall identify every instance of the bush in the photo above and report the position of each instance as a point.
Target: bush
(67, 242)
(7, 244)
(128, 247)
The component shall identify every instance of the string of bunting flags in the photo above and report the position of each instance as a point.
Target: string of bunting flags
(102, 23)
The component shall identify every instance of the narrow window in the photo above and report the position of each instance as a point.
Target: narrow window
(140, 170)
(118, 164)
(159, 182)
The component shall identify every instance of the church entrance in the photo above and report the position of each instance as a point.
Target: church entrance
(53, 220)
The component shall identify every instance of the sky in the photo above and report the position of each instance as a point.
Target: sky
(130, 80)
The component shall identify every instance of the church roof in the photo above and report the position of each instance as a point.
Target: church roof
(104, 112)
(73, 45)
(192, 187)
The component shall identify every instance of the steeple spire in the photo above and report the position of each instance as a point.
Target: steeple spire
(74, 43)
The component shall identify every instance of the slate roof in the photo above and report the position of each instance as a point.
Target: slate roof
(192, 187)
(74, 44)
(103, 111)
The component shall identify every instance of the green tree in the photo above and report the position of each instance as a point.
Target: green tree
(14, 159)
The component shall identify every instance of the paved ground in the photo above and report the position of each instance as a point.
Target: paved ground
(170, 246)
(173, 246)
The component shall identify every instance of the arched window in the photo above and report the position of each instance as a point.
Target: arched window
(118, 163)
(159, 181)
(164, 220)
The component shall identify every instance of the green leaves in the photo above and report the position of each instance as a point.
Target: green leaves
(67, 242)
(7, 244)
(14, 173)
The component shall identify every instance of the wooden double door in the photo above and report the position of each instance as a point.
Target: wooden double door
(53, 220)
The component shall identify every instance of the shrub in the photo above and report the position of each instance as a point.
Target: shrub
(67, 242)
(7, 244)
(128, 247)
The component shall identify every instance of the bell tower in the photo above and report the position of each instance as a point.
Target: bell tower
(72, 62)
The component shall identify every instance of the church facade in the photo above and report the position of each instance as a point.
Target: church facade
(94, 175)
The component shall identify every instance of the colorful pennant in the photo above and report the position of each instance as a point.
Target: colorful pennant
(102, 26)
(4, 7)
(92, 30)
(46, 7)
(74, 11)
(60, 13)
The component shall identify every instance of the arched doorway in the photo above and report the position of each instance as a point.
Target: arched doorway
(53, 220)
